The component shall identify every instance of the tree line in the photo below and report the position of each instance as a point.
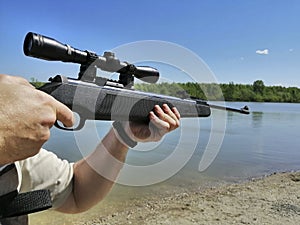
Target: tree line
(256, 92)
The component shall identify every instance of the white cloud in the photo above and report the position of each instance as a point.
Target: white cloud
(262, 52)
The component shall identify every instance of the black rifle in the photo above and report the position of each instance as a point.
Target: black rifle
(98, 98)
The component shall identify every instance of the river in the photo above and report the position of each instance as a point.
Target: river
(263, 142)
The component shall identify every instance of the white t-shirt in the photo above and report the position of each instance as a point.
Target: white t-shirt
(46, 171)
(42, 171)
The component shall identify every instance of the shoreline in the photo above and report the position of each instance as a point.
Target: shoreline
(272, 199)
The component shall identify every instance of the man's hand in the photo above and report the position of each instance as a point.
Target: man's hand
(26, 116)
(162, 121)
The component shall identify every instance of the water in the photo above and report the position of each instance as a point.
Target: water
(266, 141)
(263, 142)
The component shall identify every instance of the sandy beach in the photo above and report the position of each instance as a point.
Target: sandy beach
(273, 199)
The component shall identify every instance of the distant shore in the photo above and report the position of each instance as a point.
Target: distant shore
(256, 92)
(273, 199)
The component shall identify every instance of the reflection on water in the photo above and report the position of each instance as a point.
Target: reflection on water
(257, 119)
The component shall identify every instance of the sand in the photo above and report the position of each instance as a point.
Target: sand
(273, 199)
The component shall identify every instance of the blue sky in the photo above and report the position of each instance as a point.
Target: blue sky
(240, 41)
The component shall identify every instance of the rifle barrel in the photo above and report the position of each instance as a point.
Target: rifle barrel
(244, 110)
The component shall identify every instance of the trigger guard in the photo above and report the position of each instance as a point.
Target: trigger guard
(79, 127)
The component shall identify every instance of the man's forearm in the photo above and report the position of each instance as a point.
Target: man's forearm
(95, 175)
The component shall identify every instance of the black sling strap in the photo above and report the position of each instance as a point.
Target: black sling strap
(24, 203)
(15, 204)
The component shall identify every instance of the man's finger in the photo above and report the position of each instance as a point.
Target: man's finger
(171, 117)
(168, 111)
(176, 112)
(64, 114)
(160, 113)
(158, 122)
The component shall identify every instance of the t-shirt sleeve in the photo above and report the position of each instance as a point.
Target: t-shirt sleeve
(46, 171)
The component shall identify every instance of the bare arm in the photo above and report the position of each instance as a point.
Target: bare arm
(89, 185)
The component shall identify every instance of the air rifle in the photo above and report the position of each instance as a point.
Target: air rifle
(99, 98)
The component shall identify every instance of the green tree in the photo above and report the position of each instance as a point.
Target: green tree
(258, 87)
(256, 92)
(34, 82)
